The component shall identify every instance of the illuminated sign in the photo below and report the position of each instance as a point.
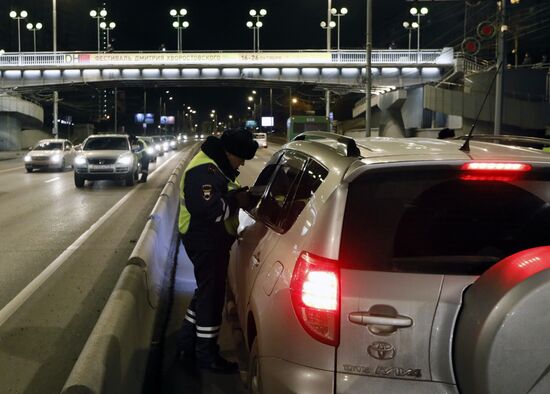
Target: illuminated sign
(268, 121)
(168, 120)
(149, 118)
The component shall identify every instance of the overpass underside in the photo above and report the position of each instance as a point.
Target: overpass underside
(349, 78)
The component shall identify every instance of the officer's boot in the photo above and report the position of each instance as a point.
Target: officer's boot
(209, 359)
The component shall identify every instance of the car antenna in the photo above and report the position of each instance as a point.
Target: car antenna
(466, 146)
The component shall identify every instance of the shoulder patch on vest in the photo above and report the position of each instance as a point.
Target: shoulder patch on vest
(207, 192)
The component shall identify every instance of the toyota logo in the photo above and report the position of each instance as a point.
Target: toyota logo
(381, 350)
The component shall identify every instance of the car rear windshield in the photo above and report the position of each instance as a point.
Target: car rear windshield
(431, 221)
(49, 146)
(107, 143)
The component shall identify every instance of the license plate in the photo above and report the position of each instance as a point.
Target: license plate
(101, 166)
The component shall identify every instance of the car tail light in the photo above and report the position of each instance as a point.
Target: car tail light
(315, 291)
(493, 171)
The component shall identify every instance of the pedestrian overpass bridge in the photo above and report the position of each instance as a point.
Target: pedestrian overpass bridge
(338, 70)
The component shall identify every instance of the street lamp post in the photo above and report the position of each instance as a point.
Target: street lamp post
(343, 12)
(410, 27)
(22, 15)
(107, 27)
(418, 13)
(328, 27)
(256, 26)
(34, 28)
(98, 15)
(55, 93)
(179, 26)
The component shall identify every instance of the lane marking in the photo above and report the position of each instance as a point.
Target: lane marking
(12, 169)
(17, 301)
(52, 180)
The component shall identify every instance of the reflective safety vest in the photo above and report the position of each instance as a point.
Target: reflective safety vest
(230, 223)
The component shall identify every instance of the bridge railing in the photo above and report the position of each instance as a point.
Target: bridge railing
(304, 58)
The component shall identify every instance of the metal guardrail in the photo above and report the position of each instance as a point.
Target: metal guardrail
(66, 59)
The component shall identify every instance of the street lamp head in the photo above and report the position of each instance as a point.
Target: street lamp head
(332, 24)
(211, 115)
(414, 11)
(415, 25)
(183, 12)
(185, 24)
(344, 11)
(38, 26)
(252, 12)
(424, 10)
(173, 12)
(324, 24)
(259, 24)
(175, 24)
(103, 25)
(249, 24)
(254, 92)
(250, 98)
(263, 12)
(13, 14)
(24, 14)
(29, 26)
(103, 13)
(112, 25)
(93, 13)
(294, 100)
(230, 116)
(406, 25)
(333, 11)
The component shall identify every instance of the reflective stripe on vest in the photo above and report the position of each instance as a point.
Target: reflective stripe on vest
(230, 223)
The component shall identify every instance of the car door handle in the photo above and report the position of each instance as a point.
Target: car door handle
(366, 318)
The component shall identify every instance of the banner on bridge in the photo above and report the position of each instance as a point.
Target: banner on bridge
(275, 58)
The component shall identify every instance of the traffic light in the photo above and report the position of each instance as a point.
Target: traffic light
(486, 30)
(471, 46)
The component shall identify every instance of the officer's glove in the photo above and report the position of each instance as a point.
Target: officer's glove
(244, 199)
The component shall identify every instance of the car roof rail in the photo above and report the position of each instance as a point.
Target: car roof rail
(348, 143)
(519, 139)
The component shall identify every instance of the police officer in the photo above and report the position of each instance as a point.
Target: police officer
(210, 198)
(142, 154)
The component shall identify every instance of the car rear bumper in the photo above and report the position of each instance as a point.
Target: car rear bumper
(281, 376)
(355, 384)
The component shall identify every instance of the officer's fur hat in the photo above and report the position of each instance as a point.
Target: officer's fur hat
(240, 143)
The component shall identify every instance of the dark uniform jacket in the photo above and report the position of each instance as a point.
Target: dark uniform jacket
(208, 208)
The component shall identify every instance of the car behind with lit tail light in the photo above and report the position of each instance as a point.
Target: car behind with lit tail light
(396, 265)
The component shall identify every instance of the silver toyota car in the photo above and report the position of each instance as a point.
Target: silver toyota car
(107, 156)
(50, 154)
(387, 265)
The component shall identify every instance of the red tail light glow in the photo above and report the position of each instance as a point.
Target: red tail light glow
(493, 171)
(315, 291)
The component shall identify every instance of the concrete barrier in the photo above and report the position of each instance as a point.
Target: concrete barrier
(114, 358)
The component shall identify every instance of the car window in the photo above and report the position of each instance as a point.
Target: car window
(49, 146)
(295, 180)
(434, 221)
(106, 143)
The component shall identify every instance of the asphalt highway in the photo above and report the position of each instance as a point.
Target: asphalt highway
(61, 252)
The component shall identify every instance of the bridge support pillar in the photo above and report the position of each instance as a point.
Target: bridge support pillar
(10, 129)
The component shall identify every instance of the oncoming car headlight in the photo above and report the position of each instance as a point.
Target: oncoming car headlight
(80, 161)
(55, 158)
(173, 144)
(27, 159)
(124, 160)
(150, 151)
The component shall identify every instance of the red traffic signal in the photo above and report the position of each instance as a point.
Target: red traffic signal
(471, 46)
(486, 30)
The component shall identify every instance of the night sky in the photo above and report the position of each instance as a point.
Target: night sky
(220, 25)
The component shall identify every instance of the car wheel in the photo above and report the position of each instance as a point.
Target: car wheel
(131, 179)
(79, 181)
(29, 169)
(253, 380)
